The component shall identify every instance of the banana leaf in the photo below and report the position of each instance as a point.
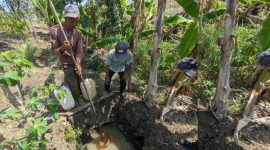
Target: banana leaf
(213, 14)
(190, 7)
(105, 41)
(176, 20)
(188, 41)
(263, 35)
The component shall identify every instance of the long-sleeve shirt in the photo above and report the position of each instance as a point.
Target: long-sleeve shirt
(76, 40)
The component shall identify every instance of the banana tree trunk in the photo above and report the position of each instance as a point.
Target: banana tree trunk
(149, 96)
(134, 42)
(219, 103)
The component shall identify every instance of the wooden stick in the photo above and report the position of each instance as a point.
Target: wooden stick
(78, 109)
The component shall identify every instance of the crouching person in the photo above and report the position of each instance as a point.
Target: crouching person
(118, 61)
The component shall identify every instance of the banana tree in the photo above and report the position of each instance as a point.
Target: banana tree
(149, 96)
(219, 103)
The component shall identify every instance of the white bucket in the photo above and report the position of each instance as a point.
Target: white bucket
(68, 102)
(91, 88)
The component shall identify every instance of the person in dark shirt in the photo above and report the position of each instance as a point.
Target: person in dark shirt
(62, 48)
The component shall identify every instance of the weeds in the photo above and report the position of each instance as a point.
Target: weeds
(12, 27)
(72, 134)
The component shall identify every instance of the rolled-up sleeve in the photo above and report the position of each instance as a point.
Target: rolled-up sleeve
(54, 41)
(79, 52)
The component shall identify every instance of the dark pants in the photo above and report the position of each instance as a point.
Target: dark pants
(72, 80)
(122, 81)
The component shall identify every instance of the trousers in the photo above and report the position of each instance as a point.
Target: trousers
(72, 80)
(122, 81)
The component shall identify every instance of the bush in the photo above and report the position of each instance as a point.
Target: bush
(168, 60)
(245, 52)
(12, 27)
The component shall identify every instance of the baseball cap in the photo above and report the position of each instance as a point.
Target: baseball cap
(121, 49)
(71, 11)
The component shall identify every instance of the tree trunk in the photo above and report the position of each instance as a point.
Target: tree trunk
(219, 102)
(149, 96)
(134, 42)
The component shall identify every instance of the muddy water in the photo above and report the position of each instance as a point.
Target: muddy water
(117, 140)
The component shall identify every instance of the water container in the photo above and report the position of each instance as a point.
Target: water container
(68, 102)
(91, 88)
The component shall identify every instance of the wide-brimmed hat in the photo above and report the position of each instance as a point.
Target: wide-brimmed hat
(71, 11)
(121, 49)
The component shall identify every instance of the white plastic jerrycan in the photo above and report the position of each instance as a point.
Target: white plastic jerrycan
(91, 88)
(68, 102)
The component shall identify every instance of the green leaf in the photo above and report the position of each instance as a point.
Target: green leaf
(146, 33)
(10, 78)
(190, 7)
(149, 9)
(105, 41)
(33, 103)
(24, 145)
(8, 55)
(267, 1)
(39, 127)
(213, 14)
(46, 91)
(56, 116)
(33, 92)
(176, 20)
(52, 105)
(2, 111)
(263, 35)
(52, 87)
(3, 64)
(61, 94)
(23, 63)
(188, 40)
(13, 113)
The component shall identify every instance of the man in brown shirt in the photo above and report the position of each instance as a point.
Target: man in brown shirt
(61, 48)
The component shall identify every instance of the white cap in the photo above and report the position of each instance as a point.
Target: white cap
(71, 11)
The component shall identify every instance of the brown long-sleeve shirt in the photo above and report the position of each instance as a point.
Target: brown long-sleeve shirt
(76, 40)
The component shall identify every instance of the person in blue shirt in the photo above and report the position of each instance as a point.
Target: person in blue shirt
(118, 61)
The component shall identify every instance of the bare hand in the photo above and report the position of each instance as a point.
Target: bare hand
(67, 46)
(78, 69)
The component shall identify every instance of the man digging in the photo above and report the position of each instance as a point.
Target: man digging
(62, 48)
(118, 61)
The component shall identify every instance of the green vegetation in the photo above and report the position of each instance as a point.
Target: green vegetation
(71, 134)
